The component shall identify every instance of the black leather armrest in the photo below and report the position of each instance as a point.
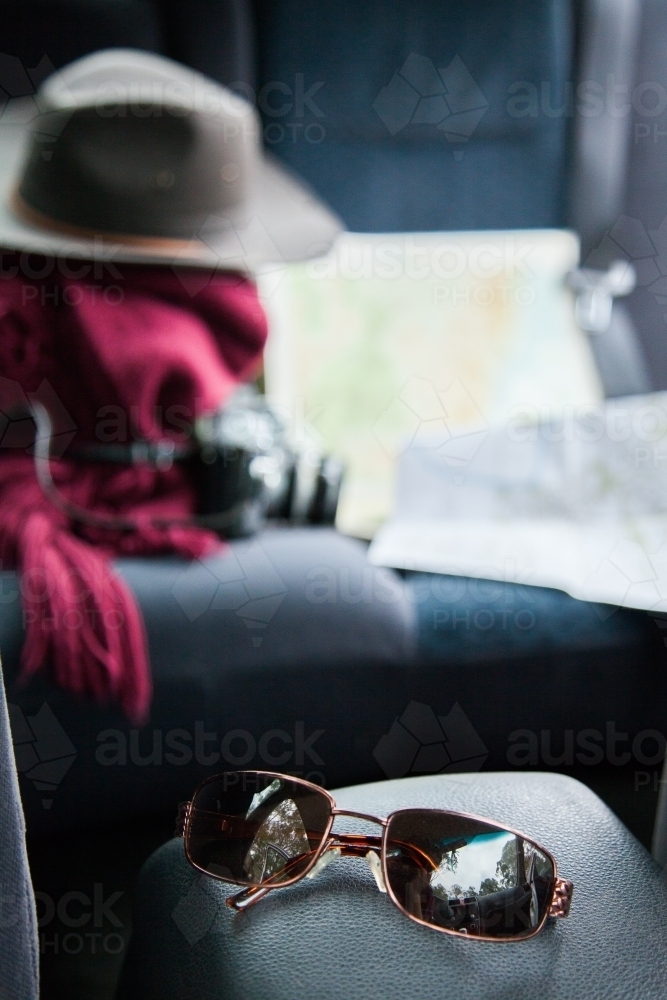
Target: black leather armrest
(337, 938)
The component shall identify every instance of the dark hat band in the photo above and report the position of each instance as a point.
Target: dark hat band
(158, 245)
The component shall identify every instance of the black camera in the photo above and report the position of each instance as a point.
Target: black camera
(241, 461)
(246, 469)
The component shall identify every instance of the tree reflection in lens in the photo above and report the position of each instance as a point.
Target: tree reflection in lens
(483, 881)
(281, 837)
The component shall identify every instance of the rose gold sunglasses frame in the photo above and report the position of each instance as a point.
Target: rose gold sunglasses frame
(358, 846)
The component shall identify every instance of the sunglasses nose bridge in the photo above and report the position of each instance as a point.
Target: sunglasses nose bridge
(357, 845)
(377, 820)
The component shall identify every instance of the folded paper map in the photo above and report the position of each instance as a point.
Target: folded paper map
(395, 337)
(578, 503)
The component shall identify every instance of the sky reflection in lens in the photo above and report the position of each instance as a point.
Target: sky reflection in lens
(469, 866)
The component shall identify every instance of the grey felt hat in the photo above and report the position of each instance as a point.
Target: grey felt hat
(131, 157)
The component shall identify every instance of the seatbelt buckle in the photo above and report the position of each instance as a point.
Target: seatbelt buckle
(596, 290)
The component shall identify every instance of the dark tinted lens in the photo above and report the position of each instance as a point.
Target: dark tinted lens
(467, 876)
(252, 828)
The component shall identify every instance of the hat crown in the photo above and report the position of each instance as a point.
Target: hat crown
(133, 143)
(117, 76)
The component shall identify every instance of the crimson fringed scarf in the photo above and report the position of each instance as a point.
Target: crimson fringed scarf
(138, 352)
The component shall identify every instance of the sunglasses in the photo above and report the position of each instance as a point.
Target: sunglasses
(450, 871)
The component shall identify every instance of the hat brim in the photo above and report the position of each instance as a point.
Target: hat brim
(283, 221)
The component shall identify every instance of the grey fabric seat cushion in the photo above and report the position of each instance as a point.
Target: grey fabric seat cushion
(277, 646)
(337, 938)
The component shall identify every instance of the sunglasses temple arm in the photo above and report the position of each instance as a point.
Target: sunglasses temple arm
(248, 897)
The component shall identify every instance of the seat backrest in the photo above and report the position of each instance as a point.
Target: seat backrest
(213, 36)
(640, 234)
(18, 927)
(418, 116)
(63, 30)
(611, 66)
